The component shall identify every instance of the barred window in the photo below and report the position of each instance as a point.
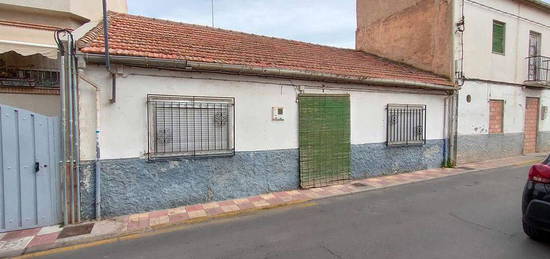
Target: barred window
(406, 124)
(183, 126)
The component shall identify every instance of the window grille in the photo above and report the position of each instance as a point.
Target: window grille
(406, 124)
(188, 126)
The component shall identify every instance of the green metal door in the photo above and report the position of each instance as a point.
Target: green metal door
(324, 139)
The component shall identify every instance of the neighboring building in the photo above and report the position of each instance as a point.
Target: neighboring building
(494, 49)
(30, 109)
(204, 114)
(29, 70)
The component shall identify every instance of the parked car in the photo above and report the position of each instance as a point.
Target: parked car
(536, 201)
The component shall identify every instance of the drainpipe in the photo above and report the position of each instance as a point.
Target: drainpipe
(97, 146)
(107, 55)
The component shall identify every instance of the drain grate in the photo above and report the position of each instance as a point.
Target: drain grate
(78, 230)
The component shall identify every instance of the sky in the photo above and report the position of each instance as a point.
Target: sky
(327, 22)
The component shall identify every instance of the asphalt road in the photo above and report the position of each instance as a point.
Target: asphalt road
(475, 215)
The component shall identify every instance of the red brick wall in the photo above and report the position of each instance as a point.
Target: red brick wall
(496, 113)
(531, 125)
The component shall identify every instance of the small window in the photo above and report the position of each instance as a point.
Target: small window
(406, 124)
(499, 37)
(187, 126)
(496, 116)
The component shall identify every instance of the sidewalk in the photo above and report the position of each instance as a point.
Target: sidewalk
(127, 227)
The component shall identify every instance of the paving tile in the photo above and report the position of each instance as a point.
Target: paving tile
(267, 196)
(293, 192)
(133, 226)
(180, 217)
(105, 227)
(191, 208)
(226, 203)
(255, 198)
(14, 245)
(133, 218)
(179, 210)
(50, 229)
(275, 201)
(158, 213)
(159, 220)
(196, 214)
(230, 208)
(282, 194)
(214, 211)
(211, 205)
(259, 204)
(245, 205)
(239, 201)
(45, 239)
(21, 233)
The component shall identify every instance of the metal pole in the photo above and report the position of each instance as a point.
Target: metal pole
(63, 127)
(76, 150)
(71, 128)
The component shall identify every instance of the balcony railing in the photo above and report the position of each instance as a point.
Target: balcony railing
(29, 78)
(538, 69)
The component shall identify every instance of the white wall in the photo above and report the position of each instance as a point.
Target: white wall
(124, 123)
(479, 61)
(48, 105)
(474, 116)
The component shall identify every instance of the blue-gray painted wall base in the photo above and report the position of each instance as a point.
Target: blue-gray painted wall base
(543, 141)
(137, 185)
(481, 147)
(368, 160)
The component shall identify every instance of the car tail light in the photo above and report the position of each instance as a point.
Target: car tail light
(540, 173)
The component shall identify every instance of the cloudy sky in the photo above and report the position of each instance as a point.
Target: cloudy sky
(328, 22)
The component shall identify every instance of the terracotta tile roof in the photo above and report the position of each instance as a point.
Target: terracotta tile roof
(131, 35)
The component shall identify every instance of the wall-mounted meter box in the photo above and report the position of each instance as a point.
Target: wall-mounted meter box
(278, 113)
(543, 112)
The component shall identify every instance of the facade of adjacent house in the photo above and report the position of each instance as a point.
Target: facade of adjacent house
(201, 114)
(496, 50)
(29, 69)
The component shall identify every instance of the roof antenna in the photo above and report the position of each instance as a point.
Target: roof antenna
(212, 8)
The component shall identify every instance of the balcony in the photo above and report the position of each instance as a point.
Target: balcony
(538, 73)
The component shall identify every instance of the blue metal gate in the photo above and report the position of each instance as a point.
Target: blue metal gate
(29, 178)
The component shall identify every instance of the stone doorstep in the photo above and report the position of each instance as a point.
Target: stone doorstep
(33, 240)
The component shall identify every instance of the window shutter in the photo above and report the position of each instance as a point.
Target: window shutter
(498, 37)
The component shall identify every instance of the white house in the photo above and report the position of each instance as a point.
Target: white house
(200, 114)
(494, 50)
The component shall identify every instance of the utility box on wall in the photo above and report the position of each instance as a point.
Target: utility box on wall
(278, 113)
(543, 112)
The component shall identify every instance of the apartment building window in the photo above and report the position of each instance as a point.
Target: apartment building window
(406, 124)
(496, 116)
(188, 126)
(499, 37)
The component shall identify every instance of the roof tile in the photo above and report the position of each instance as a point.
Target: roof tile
(132, 35)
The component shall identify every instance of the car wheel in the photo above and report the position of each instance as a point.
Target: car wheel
(532, 232)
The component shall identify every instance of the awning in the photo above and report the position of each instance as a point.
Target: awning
(27, 48)
(27, 41)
